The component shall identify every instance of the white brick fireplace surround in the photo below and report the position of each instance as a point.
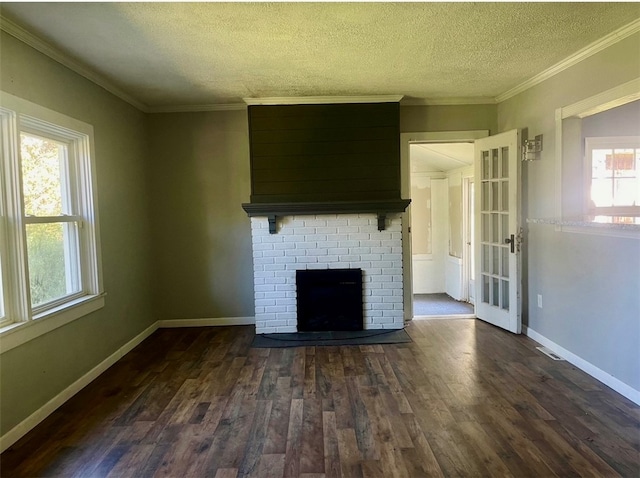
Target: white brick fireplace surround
(327, 241)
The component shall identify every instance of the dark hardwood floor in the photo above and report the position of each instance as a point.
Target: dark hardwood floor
(464, 399)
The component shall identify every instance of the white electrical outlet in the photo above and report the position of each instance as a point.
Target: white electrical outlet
(540, 301)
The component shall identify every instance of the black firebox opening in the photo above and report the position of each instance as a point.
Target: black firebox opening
(329, 300)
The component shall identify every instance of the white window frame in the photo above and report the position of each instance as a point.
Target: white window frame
(608, 142)
(612, 98)
(22, 322)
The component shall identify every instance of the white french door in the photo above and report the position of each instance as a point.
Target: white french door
(497, 230)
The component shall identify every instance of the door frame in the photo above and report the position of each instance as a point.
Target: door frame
(467, 234)
(405, 191)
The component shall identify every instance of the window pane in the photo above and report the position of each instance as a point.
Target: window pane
(614, 177)
(43, 176)
(53, 261)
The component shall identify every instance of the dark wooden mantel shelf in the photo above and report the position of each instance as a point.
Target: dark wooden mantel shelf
(379, 207)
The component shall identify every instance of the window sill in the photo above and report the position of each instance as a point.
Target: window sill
(595, 225)
(18, 333)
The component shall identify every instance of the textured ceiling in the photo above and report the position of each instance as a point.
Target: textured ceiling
(170, 54)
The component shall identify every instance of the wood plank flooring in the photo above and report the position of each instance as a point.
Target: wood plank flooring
(463, 400)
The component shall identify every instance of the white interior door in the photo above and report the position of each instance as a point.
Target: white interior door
(497, 238)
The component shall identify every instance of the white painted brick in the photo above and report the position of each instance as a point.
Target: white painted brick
(337, 251)
(306, 259)
(328, 259)
(381, 250)
(276, 309)
(286, 302)
(285, 260)
(349, 258)
(286, 330)
(374, 313)
(330, 230)
(294, 238)
(264, 274)
(295, 252)
(374, 272)
(265, 302)
(305, 230)
(381, 278)
(273, 238)
(371, 257)
(316, 238)
(283, 246)
(393, 285)
(393, 257)
(317, 252)
(315, 222)
(329, 239)
(306, 245)
(287, 274)
(327, 244)
(273, 253)
(359, 236)
(263, 246)
(285, 287)
(348, 229)
(264, 288)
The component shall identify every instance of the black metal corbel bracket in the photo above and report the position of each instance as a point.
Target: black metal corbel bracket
(382, 219)
(272, 224)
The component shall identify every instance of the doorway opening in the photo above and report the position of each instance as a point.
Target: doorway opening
(441, 185)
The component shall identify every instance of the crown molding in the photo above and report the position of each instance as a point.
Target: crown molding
(591, 49)
(612, 98)
(197, 108)
(312, 100)
(452, 101)
(57, 55)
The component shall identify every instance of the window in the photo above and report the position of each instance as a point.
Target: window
(608, 120)
(50, 248)
(612, 165)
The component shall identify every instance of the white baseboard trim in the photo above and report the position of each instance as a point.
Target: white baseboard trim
(597, 373)
(217, 322)
(43, 412)
(445, 317)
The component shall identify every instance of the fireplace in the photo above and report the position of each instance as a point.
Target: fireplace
(325, 195)
(329, 300)
(327, 242)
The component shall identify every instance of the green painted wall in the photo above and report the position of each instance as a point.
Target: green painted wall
(34, 373)
(590, 284)
(201, 235)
